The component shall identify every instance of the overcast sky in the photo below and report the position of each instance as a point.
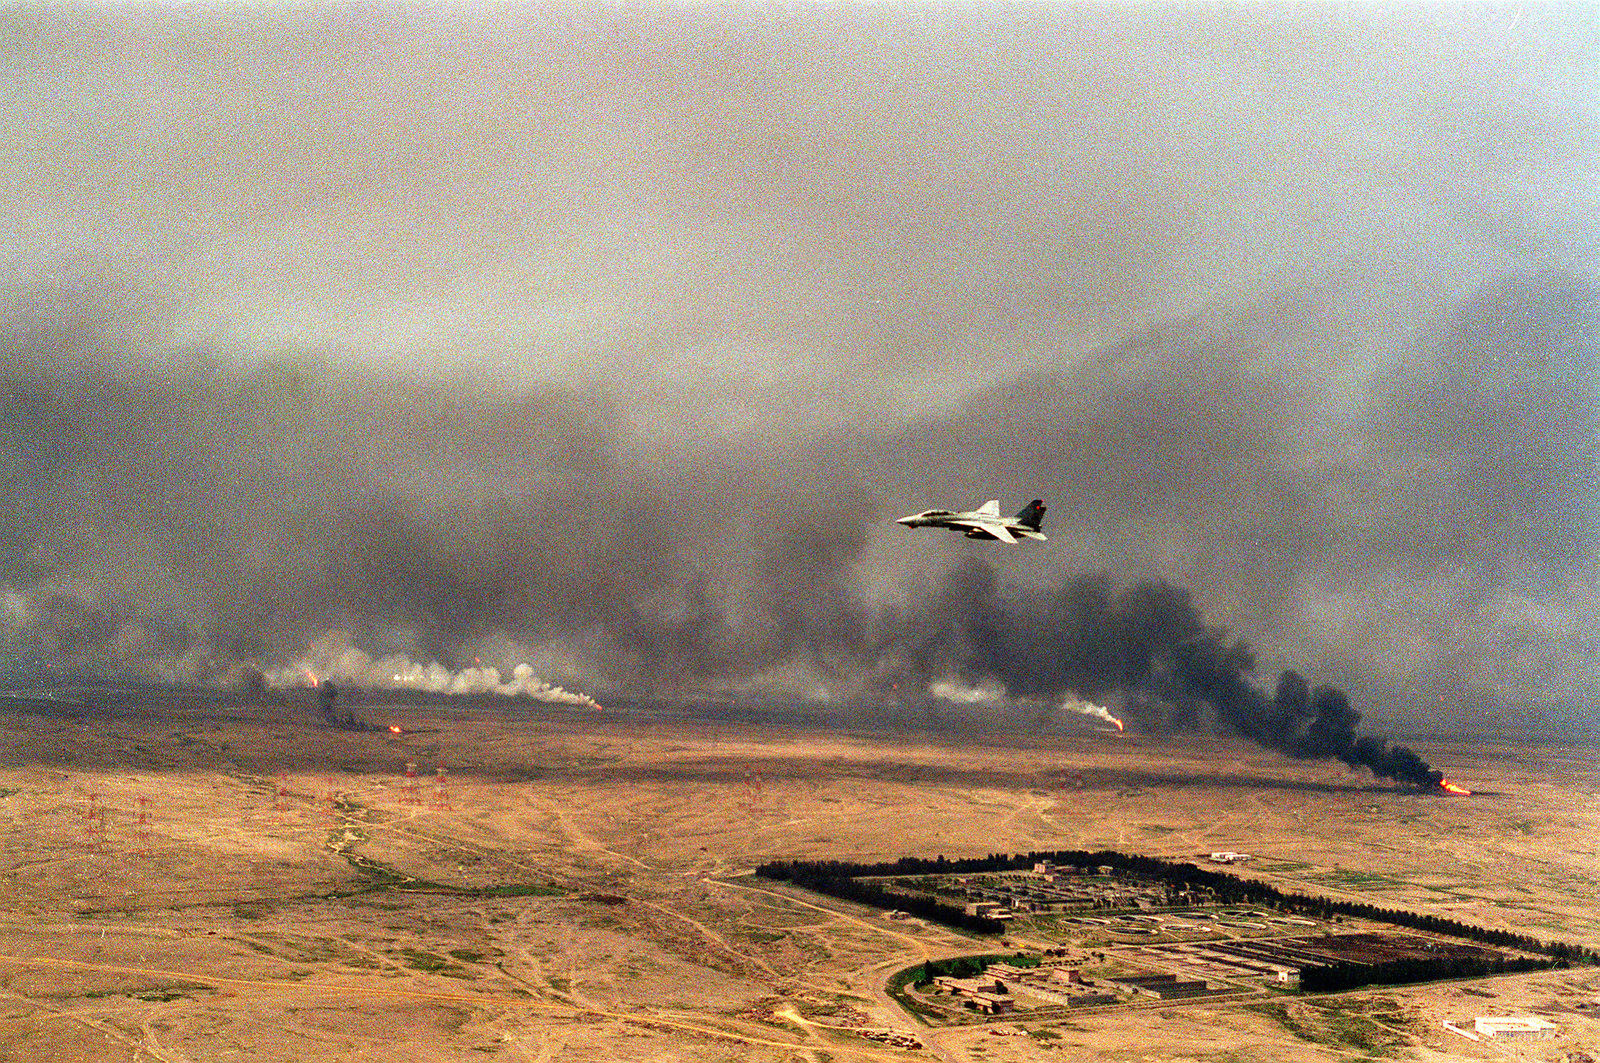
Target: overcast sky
(615, 338)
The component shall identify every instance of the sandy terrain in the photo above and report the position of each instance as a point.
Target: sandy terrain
(573, 891)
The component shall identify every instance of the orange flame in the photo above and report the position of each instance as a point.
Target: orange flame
(1451, 788)
(1118, 723)
(395, 728)
(312, 679)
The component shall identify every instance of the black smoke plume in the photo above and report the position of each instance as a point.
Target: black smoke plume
(1147, 647)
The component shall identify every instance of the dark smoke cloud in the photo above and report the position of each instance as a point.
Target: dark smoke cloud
(197, 521)
(1426, 553)
(1145, 648)
(1495, 440)
(258, 510)
(612, 341)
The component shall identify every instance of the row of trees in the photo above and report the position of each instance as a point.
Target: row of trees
(850, 887)
(1330, 977)
(968, 966)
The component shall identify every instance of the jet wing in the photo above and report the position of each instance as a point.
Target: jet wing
(996, 530)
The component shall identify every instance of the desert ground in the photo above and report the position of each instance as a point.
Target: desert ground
(196, 879)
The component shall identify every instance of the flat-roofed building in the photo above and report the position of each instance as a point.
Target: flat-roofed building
(1163, 986)
(991, 1003)
(1089, 999)
(1010, 971)
(968, 986)
(1514, 1026)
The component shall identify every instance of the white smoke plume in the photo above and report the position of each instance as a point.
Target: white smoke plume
(986, 693)
(399, 672)
(1073, 703)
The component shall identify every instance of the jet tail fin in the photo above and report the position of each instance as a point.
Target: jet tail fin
(1032, 514)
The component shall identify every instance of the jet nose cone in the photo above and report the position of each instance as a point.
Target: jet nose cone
(906, 521)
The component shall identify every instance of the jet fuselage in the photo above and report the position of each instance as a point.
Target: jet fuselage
(985, 522)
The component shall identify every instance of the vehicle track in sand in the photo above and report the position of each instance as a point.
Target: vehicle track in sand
(475, 1000)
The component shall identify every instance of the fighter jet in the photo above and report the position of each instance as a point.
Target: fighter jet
(985, 522)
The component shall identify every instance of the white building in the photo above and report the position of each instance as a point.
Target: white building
(1514, 1026)
(1228, 858)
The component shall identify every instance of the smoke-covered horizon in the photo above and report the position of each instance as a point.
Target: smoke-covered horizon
(611, 344)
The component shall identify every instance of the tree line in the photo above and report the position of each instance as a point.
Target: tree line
(850, 887)
(1330, 977)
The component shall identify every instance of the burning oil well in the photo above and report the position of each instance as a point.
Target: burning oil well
(1146, 649)
(1309, 723)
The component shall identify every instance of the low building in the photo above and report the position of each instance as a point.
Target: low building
(1229, 858)
(1179, 990)
(991, 1003)
(1007, 972)
(1091, 999)
(968, 986)
(1162, 986)
(1509, 1027)
(1045, 993)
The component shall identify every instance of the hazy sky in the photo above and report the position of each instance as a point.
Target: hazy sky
(614, 338)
